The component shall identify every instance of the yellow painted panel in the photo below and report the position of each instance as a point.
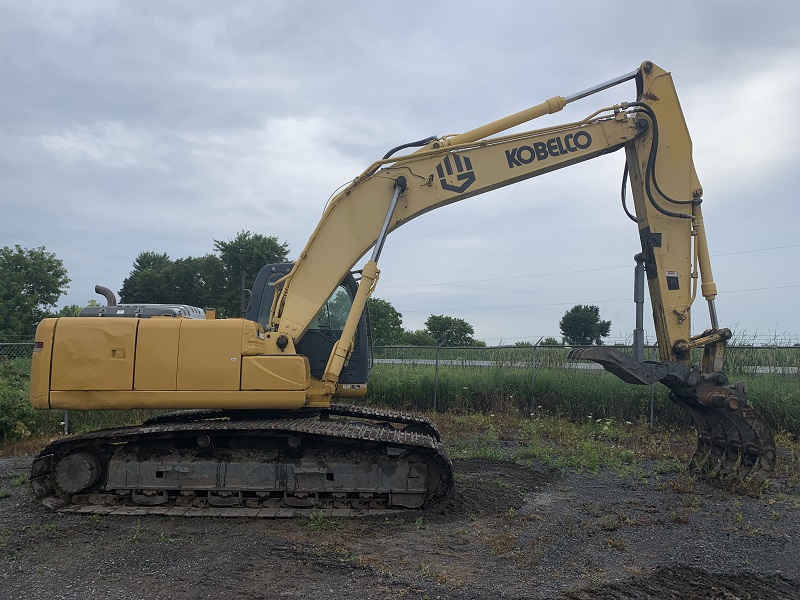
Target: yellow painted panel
(252, 344)
(92, 399)
(103, 400)
(209, 354)
(157, 354)
(351, 390)
(275, 372)
(93, 353)
(40, 367)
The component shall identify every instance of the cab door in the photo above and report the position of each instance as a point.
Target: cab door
(326, 328)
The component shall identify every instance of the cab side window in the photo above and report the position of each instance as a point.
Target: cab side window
(333, 314)
(266, 299)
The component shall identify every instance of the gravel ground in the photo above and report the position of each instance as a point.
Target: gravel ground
(510, 532)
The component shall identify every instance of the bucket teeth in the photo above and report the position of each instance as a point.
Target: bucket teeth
(734, 444)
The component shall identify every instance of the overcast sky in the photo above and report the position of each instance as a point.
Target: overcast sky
(133, 126)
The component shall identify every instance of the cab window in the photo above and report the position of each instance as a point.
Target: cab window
(266, 299)
(334, 312)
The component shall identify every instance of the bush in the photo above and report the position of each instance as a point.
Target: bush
(18, 419)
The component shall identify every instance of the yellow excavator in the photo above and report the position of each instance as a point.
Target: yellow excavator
(257, 429)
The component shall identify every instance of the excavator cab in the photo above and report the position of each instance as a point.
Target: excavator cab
(324, 330)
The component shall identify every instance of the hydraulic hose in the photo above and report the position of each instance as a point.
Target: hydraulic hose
(416, 144)
(650, 174)
(624, 189)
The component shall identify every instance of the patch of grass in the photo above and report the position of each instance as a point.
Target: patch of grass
(587, 446)
(136, 536)
(27, 446)
(609, 522)
(666, 466)
(618, 544)
(788, 463)
(5, 493)
(19, 480)
(683, 485)
(317, 521)
(501, 543)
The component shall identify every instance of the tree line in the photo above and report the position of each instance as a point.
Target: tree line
(32, 281)
(580, 326)
(213, 280)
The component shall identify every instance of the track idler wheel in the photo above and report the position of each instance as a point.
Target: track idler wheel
(734, 443)
(77, 472)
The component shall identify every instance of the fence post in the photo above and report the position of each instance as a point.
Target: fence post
(371, 357)
(531, 402)
(436, 378)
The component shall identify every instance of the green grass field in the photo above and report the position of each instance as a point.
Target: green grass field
(479, 381)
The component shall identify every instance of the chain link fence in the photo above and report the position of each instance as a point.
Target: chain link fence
(542, 380)
(16, 350)
(526, 380)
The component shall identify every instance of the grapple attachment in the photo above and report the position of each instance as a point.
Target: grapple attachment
(734, 443)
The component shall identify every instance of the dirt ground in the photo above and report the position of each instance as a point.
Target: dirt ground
(510, 532)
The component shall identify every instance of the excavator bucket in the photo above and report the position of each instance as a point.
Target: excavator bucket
(734, 443)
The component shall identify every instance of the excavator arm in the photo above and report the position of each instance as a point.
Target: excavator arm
(667, 200)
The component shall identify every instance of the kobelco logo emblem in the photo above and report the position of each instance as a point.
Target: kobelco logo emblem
(463, 170)
(525, 155)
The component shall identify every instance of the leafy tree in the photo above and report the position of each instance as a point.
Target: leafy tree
(31, 282)
(581, 326)
(450, 331)
(149, 281)
(71, 310)
(206, 281)
(246, 253)
(387, 323)
(201, 279)
(420, 337)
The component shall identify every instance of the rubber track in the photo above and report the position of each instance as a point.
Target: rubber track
(341, 430)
